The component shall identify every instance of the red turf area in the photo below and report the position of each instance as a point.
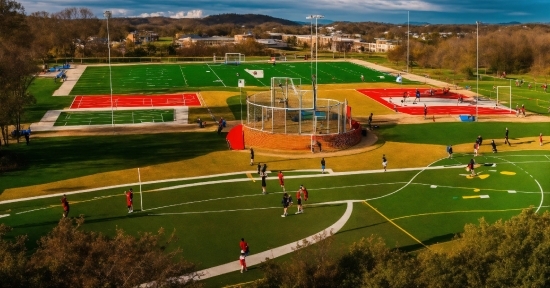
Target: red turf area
(103, 101)
(439, 103)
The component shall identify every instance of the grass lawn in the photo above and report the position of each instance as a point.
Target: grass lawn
(42, 89)
(211, 215)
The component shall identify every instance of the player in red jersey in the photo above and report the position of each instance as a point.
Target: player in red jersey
(65, 204)
(304, 190)
(282, 180)
(130, 200)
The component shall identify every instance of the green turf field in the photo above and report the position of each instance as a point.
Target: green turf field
(120, 117)
(176, 77)
(535, 99)
(210, 214)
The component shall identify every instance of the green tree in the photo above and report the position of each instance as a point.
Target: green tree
(71, 257)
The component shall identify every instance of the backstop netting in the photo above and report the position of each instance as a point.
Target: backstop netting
(289, 109)
(234, 58)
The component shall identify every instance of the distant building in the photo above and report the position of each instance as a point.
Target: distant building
(140, 37)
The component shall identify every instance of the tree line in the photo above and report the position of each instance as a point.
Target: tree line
(512, 253)
(71, 257)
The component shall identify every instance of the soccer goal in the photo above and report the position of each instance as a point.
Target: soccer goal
(288, 91)
(501, 91)
(234, 58)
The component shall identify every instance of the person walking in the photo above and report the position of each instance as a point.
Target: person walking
(450, 151)
(476, 147)
(299, 201)
(27, 137)
(259, 167)
(304, 190)
(244, 247)
(494, 146)
(242, 262)
(540, 139)
(65, 204)
(282, 180)
(384, 162)
(323, 166)
(425, 111)
(471, 167)
(130, 200)
(287, 201)
(264, 184)
(251, 156)
(506, 141)
(370, 121)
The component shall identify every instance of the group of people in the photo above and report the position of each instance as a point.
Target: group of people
(129, 202)
(302, 193)
(520, 111)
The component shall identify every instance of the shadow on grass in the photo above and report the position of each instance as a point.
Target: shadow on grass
(431, 241)
(60, 158)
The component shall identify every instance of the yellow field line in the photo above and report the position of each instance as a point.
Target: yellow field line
(389, 220)
(250, 176)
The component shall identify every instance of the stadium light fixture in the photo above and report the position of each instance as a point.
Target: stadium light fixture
(316, 17)
(108, 15)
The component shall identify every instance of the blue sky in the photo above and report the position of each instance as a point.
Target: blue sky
(389, 11)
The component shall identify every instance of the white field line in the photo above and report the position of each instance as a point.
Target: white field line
(183, 75)
(216, 75)
(540, 187)
(223, 181)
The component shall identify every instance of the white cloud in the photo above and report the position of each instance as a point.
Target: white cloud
(189, 14)
(154, 14)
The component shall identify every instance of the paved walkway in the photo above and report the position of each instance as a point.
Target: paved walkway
(73, 74)
(256, 259)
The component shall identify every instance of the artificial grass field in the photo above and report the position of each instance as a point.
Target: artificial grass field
(175, 77)
(118, 116)
(210, 214)
(534, 99)
(209, 236)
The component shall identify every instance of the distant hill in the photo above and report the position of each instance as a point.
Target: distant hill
(244, 19)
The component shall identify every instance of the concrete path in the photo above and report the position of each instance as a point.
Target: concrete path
(73, 74)
(258, 258)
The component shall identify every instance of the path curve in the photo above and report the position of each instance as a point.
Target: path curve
(258, 258)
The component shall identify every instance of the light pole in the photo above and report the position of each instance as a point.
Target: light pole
(316, 49)
(477, 68)
(108, 15)
(408, 33)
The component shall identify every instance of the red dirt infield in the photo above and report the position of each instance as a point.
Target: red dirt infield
(160, 100)
(436, 101)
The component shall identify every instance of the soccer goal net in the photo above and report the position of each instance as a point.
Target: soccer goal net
(234, 58)
(288, 92)
(504, 92)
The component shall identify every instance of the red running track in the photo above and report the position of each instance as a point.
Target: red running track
(440, 103)
(104, 101)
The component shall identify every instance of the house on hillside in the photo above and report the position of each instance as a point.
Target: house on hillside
(187, 40)
(139, 37)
